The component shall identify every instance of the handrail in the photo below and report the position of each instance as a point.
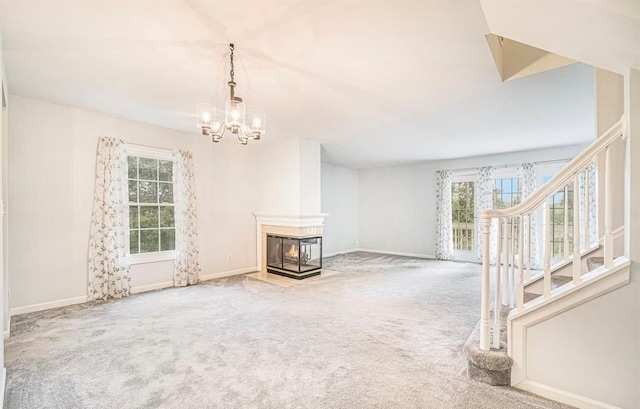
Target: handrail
(561, 178)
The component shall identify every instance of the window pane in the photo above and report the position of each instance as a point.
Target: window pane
(166, 193)
(133, 217)
(148, 192)
(148, 169)
(132, 166)
(148, 216)
(133, 241)
(148, 241)
(166, 216)
(166, 170)
(133, 191)
(167, 239)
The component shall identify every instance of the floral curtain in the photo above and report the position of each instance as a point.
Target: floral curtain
(187, 262)
(527, 175)
(485, 186)
(592, 238)
(444, 240)
(108, 238)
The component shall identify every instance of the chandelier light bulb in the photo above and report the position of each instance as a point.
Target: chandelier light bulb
(206, 117)
(235, 115)
(257, 122)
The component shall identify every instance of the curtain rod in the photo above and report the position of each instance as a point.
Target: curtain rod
(514, 165)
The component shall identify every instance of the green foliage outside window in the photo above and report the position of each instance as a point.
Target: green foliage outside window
(463, 215)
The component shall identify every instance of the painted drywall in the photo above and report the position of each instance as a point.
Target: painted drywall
(397, 210)
(340, 200)
(310, 176)
(290, 176)
(51, 191)
(591, 350)
(632, 210)
(4, 287)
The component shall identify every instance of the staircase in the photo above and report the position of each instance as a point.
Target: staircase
(524, 285)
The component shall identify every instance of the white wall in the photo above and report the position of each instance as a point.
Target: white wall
(340, 200)
(590, 350)
(52, 151)
(290, 176)
(4, 288)
(398, 205)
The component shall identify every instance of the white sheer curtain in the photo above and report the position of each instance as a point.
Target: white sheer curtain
(187, 263)
(444, 240)
(527, 175)
(485, 186)
(108, 239)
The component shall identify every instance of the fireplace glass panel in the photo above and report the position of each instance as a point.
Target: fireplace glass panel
(298, 256)
(274, 251)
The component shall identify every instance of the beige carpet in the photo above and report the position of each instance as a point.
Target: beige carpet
(386, 332)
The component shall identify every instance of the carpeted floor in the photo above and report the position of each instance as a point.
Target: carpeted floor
(387, 332)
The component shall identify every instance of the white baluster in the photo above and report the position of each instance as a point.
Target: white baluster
(577, 260)
(547, 250)
(565, 247)
(528, 240)
(497, 306)
(608, 211)
(521, 262)
(587, 210)
(505, 269)
(512, 270)
(484, 309)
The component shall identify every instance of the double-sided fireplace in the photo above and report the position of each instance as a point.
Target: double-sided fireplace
(294, 257)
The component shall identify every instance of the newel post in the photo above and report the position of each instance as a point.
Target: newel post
(484, 310)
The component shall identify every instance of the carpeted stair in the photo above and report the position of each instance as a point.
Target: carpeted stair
(494, 366)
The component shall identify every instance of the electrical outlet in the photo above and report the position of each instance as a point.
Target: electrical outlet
(228, 258)
(354, 243)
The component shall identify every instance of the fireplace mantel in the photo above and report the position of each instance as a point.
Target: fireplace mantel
(291, 224)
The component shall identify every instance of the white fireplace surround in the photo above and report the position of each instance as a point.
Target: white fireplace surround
(294, 225)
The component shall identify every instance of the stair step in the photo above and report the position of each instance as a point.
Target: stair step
(556, 281)
(594, 262)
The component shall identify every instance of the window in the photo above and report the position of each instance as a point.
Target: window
(507, 193)
(151, 210)
(463, 215)
(561, 226)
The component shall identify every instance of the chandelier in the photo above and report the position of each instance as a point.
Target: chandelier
(214, 122)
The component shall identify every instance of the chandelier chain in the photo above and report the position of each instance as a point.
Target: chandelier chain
(232, 72)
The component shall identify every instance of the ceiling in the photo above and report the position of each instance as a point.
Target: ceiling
(376, 82)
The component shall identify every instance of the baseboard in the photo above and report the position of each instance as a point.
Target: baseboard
(398, 253)
(562, 396)
(228, 273)
(338, 253)
(47, 305)
(3, 383)
(151, 287)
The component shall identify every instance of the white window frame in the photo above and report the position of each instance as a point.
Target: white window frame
(466, 255)
(508, 173)
(150, 153)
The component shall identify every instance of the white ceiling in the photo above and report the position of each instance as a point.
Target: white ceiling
(376, 82)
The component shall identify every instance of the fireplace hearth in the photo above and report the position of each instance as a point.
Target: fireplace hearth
(294, 257)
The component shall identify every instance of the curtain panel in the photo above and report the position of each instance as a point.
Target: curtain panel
(187, 263)
(444, 239)
(528, 176)
(485, 186)
(108, 233)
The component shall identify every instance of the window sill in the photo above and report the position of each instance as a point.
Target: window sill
(152, 257)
